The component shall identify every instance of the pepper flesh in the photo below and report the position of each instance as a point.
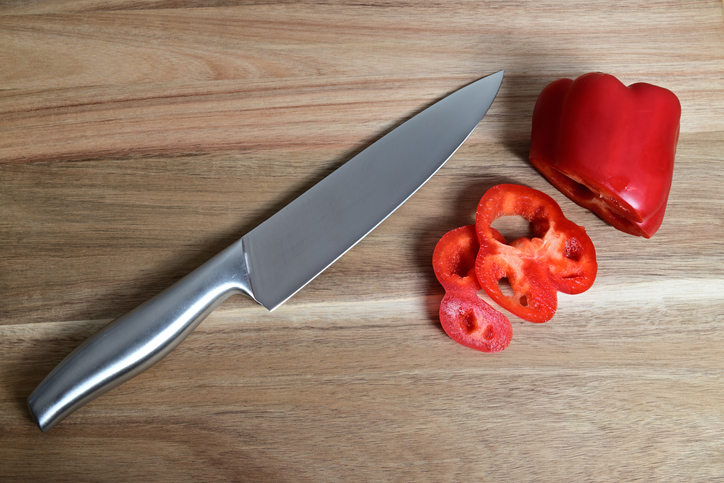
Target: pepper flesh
(464, 316)
(560, 257)
(470, 321)
(608, 147)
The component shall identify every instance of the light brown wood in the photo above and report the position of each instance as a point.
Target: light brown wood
(137, 139)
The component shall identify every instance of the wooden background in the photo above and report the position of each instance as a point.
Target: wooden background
(138, 138)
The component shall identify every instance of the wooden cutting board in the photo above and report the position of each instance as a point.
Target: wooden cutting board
(138, 138)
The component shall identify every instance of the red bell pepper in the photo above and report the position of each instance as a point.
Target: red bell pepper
(470, 321)
(560, 256)
(454, 260)
(608, 147)
(464, 316)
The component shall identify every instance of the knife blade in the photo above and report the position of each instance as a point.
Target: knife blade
(277, 258)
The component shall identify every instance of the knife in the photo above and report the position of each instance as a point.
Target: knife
(277, 258)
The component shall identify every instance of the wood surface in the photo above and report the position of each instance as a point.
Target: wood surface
(138, 138)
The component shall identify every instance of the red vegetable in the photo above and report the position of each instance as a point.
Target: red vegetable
(454, 260)
(560, 256)
(470, 321)
(608, 147)
(465, 317)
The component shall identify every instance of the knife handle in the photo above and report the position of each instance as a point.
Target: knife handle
(136, 341)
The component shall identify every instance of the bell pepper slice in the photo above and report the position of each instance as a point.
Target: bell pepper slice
(454, 260)
(472, 322)
(560, 256)
(608, 147)
(464, 316)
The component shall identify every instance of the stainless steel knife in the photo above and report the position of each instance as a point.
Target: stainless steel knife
(275, 259)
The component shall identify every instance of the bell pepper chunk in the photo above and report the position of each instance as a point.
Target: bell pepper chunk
(464, 316)
(608, 147)
(560, 256)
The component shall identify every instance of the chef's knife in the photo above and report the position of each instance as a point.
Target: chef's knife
(275, 259)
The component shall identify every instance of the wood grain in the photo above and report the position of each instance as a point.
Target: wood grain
(137, 139)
